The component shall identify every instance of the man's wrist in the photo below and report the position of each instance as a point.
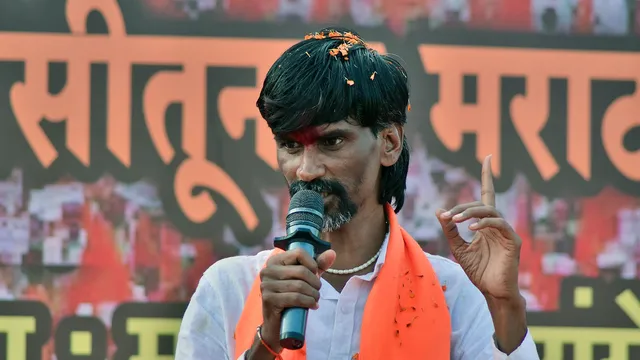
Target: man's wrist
(259, 351)
(271, 338)
(509, 320)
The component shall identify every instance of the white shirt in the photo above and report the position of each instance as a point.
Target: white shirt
(441, 9)
(366, 12)
(333, 331)
(300, 8)
(610, 17)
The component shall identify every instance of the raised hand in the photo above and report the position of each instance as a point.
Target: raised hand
(491, 258)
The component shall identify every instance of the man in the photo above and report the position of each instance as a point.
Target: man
(552, 16)
(337, 109)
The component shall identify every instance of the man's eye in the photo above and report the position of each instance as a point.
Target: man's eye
(289, 145)
(334, 141)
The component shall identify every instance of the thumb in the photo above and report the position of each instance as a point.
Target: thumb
(450, 230)
(325, 260)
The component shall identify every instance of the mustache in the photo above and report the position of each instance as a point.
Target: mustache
(333, 187)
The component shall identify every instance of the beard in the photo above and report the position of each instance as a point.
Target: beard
(336, 213)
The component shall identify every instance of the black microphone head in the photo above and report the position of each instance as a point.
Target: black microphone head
(306, 208)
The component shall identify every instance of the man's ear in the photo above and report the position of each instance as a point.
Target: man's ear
(392, 141)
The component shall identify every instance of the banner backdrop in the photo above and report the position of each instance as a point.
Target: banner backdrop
(133, 157)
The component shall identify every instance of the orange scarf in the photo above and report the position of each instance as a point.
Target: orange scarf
(410, 324)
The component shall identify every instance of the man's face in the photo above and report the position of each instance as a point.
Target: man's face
(340, 160)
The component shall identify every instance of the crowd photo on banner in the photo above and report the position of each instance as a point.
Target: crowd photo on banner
(611, 17)
(83, 248)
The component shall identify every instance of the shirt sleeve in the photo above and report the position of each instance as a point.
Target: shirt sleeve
(471, 324)
(201, 331)
(526, 351)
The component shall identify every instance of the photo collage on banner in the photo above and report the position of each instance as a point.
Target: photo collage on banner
(120, 185)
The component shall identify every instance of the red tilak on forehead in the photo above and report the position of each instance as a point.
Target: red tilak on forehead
(306, 136)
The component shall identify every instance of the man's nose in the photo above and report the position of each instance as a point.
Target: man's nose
(310, 167)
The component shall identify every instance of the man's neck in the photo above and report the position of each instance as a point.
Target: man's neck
(359, 240)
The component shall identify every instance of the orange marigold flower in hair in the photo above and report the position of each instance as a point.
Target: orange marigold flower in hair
(344, 50)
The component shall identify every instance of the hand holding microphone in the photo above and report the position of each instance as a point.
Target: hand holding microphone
(290, 281)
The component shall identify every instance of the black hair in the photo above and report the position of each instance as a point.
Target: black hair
(307, 86)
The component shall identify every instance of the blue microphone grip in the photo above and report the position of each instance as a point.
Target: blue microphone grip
(294, 320)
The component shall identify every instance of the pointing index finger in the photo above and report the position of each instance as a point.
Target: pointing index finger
(487, 191)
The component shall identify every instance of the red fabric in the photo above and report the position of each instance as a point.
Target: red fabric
(251, 10)
(166, 8)
(582, 22)
(399, 12)
(480, 16)
(599, 225)
(37, 292)
(523, 229)
(501, 14)
(171, 263)
(514, 15)
(321, 12)
(204, 258)
(547, 291)
(146, 252)
(531, 257)
(102, 276)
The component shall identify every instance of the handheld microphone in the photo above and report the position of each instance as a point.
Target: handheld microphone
(304, 223)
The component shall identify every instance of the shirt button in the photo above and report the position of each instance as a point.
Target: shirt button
(344, 309)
